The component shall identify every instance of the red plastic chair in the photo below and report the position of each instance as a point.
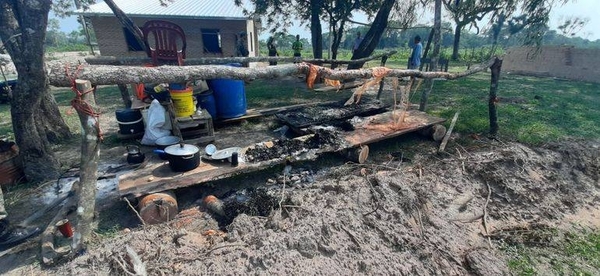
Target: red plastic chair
(166, 36)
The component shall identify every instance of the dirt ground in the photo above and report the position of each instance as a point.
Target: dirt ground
(413, 212)
(411, 216)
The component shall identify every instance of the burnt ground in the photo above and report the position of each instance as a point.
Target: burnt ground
(421, 214)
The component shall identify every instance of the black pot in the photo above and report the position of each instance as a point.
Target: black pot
(183, 157)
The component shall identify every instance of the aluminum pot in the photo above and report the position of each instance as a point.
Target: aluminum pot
(183, 157)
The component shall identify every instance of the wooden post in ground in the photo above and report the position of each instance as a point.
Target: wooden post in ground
(495, 68)
(125, 95)
(90, 154)
(383, 61)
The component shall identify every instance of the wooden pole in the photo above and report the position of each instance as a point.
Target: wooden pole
(383, 61)
(125, 95)
(495, 68)
(88, 174)
(448, 133)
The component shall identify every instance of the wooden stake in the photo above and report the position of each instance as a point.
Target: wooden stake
(90, 154)
(449, 132)
(495, 68)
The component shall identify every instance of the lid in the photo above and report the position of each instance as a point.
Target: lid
(225, 153)
(182, 150)
(210, 149)
(167, 140)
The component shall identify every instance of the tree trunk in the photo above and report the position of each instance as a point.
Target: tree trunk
(110, 75)
(25, 22)
(315, 28)
(437, 35)
(456, 45)
(337, 40)
(50, 121)
(372, 37)
(127, 23)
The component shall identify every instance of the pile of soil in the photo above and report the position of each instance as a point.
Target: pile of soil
(422, 217)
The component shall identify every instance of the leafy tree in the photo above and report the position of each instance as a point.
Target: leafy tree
(468, 12)
(35, 116)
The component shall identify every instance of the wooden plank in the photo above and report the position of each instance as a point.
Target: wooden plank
(159, 177)
(379, 128)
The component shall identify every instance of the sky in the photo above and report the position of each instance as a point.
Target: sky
(575, 8)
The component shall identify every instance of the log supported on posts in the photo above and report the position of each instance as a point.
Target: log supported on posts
(110, 75)
(139, 61)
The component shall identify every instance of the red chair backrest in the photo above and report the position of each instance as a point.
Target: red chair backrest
(166, 35)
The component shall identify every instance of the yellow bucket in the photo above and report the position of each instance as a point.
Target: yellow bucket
(183, 102)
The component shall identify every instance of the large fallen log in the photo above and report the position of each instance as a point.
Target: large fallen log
(139, 61)
(110, 75)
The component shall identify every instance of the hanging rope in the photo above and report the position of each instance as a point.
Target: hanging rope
(78, 103)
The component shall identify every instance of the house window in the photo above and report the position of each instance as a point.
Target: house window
(132, 43)
(211, 38)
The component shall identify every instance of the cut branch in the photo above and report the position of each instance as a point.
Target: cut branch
(90, 154)
(110, 75)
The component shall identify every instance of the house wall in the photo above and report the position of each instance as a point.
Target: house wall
(111, 39)
(554, 61)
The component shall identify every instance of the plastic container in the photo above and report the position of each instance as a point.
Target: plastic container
(183, 102)
(230, 97)
(206, 100)
(130, 121)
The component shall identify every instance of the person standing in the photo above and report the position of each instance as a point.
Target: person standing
(12, 236)
(415, 58)
(272, 46)
(297, 47)
(356, 43)
(242, 47)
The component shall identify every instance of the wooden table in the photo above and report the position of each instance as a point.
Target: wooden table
(157, 176)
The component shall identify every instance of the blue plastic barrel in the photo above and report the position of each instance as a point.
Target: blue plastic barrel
(206, 100)
(230, 96)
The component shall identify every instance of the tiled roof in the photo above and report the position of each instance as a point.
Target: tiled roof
(174, 9)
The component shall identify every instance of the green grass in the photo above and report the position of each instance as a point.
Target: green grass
(531, 110)
(571, 254)
(276, 93)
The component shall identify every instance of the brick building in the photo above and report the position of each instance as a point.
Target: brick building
(554, 61)
(211, 27)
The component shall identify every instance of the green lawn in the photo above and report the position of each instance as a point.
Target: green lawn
(531, 110)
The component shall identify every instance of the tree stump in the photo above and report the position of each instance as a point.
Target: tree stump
(158, 207)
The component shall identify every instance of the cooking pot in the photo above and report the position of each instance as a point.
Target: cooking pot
(182, 157)
(134, 155)
(163, 142)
